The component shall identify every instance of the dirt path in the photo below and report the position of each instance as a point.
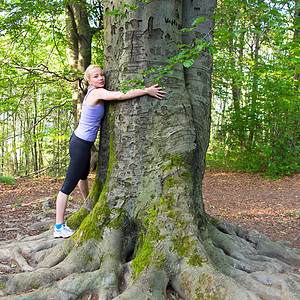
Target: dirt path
(28, 207)
(270, 207)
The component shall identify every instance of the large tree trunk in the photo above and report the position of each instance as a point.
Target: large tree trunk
(144, 226)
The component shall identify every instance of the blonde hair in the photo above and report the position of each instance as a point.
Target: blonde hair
(88, 70)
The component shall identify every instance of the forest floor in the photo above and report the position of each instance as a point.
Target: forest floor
(271, 207)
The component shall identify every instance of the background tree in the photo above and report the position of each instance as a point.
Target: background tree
(45, 48)
(144, 226)
(254, 78)
(32, 64)
(79, 45)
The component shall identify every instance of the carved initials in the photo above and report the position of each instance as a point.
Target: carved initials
(173, 23)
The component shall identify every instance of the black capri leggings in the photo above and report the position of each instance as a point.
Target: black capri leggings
(79, 166)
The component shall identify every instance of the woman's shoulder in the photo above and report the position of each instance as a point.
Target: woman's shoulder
(93, 97)
(97, 91)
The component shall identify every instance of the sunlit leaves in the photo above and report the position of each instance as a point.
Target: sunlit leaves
(199, 20)
(256, 101)
(121, 11)
(33, 92)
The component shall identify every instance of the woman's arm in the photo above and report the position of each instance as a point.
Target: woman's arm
(102, 94)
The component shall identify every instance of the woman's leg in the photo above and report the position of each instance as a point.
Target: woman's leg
(61, 230)
(84, 187)
(61, 204)
(78, 170)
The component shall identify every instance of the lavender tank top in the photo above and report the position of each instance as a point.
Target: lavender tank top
(90, 119)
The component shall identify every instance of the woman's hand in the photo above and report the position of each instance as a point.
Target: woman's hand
(156, 91)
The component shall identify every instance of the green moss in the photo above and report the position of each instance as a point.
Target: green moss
(92, 226)
(175, 161)
(167, 202)
(196, 259)
(185, 246)
(127, 182)
(76, 219)
(96, 191)
(118, 220)
(112, 158)
(2, 286)
(171, 182)
(146, 253)
(34, 286)
(178, 160)
(172, 214)
(186, 174)
(88, 258)
(214, 221)
(207, 289)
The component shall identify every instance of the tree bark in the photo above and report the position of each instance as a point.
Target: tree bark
(144, 226)
(79, 39)
(236, 52)
(296, 36)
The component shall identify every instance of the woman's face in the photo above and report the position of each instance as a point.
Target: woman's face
(97, 79)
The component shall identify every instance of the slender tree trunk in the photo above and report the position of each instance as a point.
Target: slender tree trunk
(236, 55)
(27, 142)
(296, 36)
(14, 146)
(254, 92)
(79, 39)
(34, 132)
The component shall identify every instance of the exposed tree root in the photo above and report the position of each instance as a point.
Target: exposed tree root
(207, 283)
(208, 260)
(267, 268)
(27, 247)
(54, 263)
(151, 284)
(249, 266)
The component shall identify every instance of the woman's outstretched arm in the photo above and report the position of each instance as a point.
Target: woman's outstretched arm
(100, 94)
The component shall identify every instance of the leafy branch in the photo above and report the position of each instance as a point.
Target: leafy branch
(186, 57)
(41, 69)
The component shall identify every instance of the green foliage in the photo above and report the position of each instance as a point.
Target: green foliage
(122, 11)
(34, 105)
(255, 83)
(7, 180)
(256, 91)
(36, 117)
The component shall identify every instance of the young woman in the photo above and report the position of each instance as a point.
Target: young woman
(84, 136)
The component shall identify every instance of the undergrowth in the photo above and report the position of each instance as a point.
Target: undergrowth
(251, 162)
(7, 180)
